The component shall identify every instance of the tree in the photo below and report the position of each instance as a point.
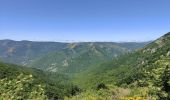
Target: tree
(166, 79)
(161, 81)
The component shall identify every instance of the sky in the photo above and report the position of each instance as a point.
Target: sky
(84, 20)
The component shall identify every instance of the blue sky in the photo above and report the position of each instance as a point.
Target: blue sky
(84, 20)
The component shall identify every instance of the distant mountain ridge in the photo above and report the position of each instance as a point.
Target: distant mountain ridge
(22, 52)
(65, 57)
(78, 56)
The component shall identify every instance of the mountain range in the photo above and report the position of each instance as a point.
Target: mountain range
(101, 71)
(62, 57)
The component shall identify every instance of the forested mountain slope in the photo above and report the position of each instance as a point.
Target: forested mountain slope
(147, 70)
(66, 57)
(22, 52)
(84, 58)
(20, 83)
(78, 57)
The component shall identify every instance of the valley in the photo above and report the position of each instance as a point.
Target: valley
(86, 71)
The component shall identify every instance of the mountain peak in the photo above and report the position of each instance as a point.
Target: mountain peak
(161, 42)
(164, 39)
(167, 34)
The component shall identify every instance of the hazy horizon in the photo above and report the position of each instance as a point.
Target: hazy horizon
(74, 41)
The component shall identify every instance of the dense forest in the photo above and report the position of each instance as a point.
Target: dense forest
(18, 83)
(116, 72)
(144, 73)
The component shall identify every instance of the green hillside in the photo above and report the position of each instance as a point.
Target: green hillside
(78, 57)
(144, 73)
(22, 52)
(19, 83)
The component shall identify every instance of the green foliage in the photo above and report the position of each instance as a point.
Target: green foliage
(21, 87)
(101, 86)
(25, 83)
(92, 95)
(159, 78)
(114, 93)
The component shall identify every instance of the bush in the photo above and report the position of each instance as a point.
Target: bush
(101, 86)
